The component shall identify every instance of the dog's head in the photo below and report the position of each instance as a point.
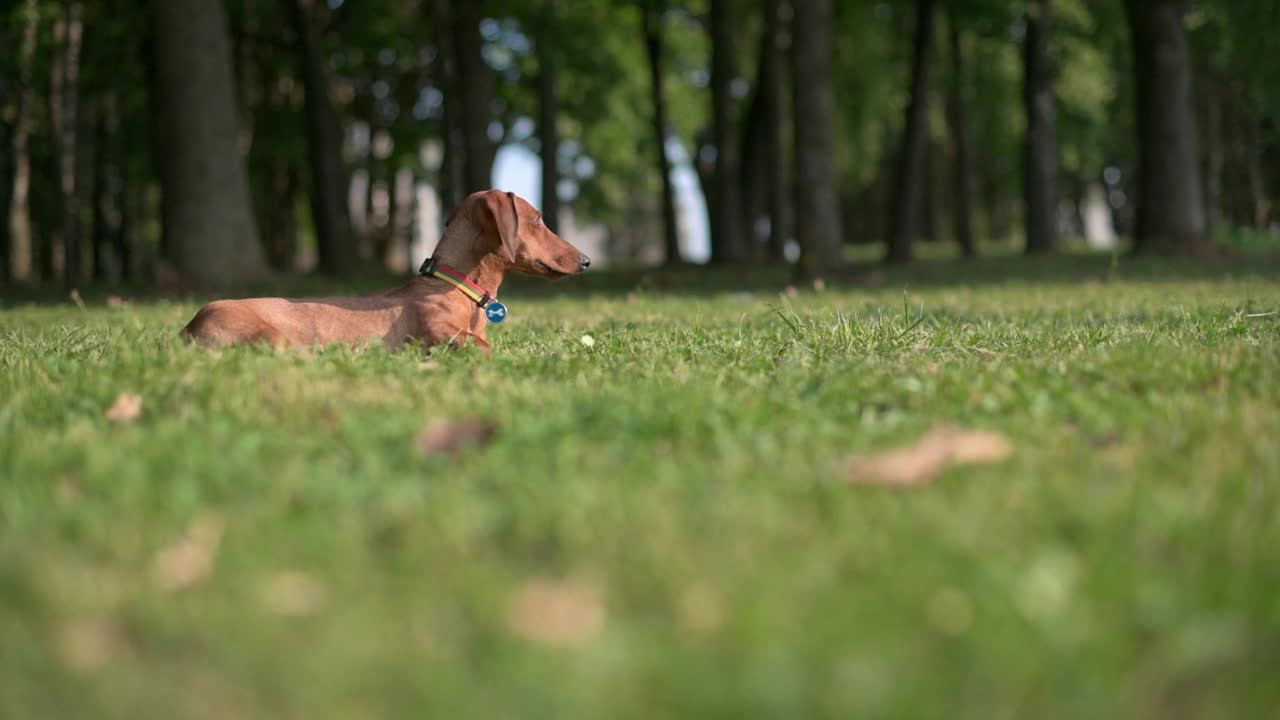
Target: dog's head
(516, 231)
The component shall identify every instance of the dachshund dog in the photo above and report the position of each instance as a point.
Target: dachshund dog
(451, 300)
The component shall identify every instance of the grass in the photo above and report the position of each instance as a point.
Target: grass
(662, 526)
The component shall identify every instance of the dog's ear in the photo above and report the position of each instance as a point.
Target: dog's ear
(506, 218)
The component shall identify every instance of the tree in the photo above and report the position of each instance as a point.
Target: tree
(334, 240)
(1040, 175)
(957, 122)
(908, 183)
(653, 11)
(64, 101)
(548, 110)
(726, 211)
(817, 209)
(763, 186)
(21, 240)
(206, 210)
(1171, 216)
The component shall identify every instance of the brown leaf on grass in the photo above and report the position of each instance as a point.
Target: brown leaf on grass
(557, 613)
(189, 561)
(126, 409)
(116, 301)
(450, 438)
(921, 463)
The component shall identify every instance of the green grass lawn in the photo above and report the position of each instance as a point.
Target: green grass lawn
(663, 525)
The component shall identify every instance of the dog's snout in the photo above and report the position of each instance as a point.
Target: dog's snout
(584, 261)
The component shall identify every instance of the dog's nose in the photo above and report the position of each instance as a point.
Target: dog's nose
(584, 261)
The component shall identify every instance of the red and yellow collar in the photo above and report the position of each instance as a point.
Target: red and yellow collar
(478, 295)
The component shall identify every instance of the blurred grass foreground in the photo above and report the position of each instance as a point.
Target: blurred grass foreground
(660, 502)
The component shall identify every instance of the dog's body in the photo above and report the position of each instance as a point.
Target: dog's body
(490, 234)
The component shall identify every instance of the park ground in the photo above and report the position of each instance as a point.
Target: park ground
(666, 508)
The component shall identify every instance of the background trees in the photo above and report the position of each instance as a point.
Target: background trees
(303, 135)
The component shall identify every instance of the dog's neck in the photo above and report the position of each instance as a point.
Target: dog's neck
(465, 249)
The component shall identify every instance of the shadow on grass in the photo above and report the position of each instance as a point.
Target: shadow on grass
(694, 280)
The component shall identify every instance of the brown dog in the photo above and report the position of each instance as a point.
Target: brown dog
(489, 234)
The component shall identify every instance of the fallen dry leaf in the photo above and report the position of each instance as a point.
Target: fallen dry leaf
(126, 408)
(922, 462)
(189, 561)
(556, 613)
(116, 301)
(451, 438)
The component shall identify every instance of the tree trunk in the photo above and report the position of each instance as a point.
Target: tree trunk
(335, 246)
(123, 236)
(6, 180)
(653, 17)
(21, 242)
(726, 212)
(1171, 218)
(548, 110)
(817, 210)
(64, 105)
(958, 123)
(279, 216)
(1257, 173)
(1040, 173)
(1215, 154)
(763, 187)
(905, 207)
(476, 84)
(451, 178)
(101, 233)
(206, 209)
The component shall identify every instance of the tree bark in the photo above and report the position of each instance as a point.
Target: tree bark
(817, 210)
(476, 84)
(451, 173)
(653, 17)
(206, 209)
(101, 223)
(763, 187)
(726, 212)
(65, 105)
(905, 205)
(335, 244)
(21, 242)
(6, 180)
(1170, 204)
(1215, 154)
(961, 162)
(1040, 173)
(548, 110)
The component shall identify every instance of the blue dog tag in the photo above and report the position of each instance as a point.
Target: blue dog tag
(496, 312)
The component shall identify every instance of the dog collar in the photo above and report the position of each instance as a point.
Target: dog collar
(494, 311)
